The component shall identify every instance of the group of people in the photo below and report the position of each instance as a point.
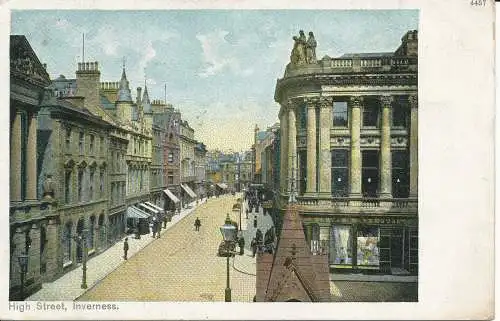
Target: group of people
(304, 50)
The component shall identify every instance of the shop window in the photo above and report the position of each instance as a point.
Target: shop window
(342, 245)
(340, 114)
(371, 111)
(368, 246)
(340, 172)
(400, 174)
(370, 173)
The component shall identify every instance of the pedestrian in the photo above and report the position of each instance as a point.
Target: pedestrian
(159, 229)
(241, 244)
(253, 244)
(197, 224)
(125, 248)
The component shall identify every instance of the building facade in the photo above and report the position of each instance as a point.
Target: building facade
(349, 140)
(31, 220)
(187, 162)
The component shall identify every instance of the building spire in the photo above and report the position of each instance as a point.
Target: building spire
(124, 90)
(146, 103)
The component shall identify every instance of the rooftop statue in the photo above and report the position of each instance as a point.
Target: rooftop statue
(304, 50)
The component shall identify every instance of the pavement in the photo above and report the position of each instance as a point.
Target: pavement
(67, 287)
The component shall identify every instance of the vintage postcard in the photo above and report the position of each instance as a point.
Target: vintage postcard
(169, 158)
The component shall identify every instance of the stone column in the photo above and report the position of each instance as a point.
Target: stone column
(413, 99)
(355, 159)
(31, 156)
(292, 145)
(15, 159)
(324, 239)
(385, 149)
(53, 246)
(325, 154)
(311, 147)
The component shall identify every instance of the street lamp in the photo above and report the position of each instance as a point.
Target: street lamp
(240, 202)
(82, 241)
(229, 235)
(23, 263)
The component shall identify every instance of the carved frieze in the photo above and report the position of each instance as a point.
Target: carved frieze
(341, 141)
(386, 100)
(413, 99)
(24, 64)
(301, 142)
(399, 142)
(356, 101)
(370, 141)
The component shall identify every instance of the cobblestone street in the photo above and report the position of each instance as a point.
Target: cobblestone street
(183, 264)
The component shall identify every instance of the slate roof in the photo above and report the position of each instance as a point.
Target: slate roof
(105, 103)
(124, 94)
(293, 273)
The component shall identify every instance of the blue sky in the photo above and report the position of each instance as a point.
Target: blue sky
(220, 66)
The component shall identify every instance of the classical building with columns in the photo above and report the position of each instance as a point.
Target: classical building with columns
(31, 220)
(349, 143)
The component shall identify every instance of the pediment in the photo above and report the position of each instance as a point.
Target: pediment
(24, 63)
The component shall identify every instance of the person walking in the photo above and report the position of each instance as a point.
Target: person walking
(241, 244)
(197, 224)
(253, 244)
(125, 248)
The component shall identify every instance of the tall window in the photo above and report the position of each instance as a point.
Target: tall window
(91, 146)
(91, 183)
(81, 143)
(302, 171)
(340, 114)
(80, 185)
(371, 111)
(101, 145)
(170, 178)
(400, 108)
(170, 157)
(370, 173)
(340, 172)
(68, 139)
(67, 187)
(400, 174)
(302, 109)
(101, 183)
(66, 242)
(112, 193)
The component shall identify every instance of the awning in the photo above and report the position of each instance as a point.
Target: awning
(188, 190)
(222, 185)
(134, 212)
(159, 209)
(171, 195)
(149, 208)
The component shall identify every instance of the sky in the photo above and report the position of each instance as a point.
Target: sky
(219, 66)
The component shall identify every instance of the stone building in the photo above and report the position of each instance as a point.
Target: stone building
(349, 135)
(157, 176)
(188, 163)
(171, 154)
(200, 161)
(32, 222)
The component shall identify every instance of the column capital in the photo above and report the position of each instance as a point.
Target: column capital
(356, 101)
(413, 99)
(325, 102)
(311, 101)
(386, 100)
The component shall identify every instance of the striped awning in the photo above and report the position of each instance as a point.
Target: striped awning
(135, 212)
(188, 190)
(171, 195)
(149, 208)
(222, 185)
(159, 209)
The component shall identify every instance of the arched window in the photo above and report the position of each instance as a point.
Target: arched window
(66, 242)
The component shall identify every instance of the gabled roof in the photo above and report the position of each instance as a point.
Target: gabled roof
(293, 273)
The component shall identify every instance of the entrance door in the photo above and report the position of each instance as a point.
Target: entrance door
(397, 246)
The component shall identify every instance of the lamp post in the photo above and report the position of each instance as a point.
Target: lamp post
(229, 235)
(23, 263)
(240, 202)
(82, 241)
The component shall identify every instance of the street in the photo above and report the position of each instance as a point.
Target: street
(183, 264)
